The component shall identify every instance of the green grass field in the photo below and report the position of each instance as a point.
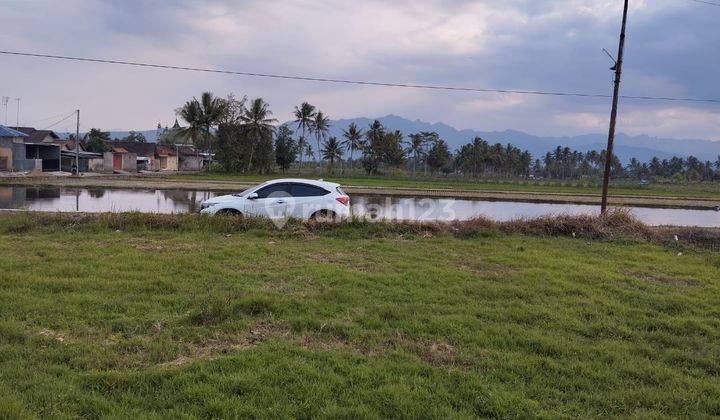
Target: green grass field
(707, 190)
(190, 320)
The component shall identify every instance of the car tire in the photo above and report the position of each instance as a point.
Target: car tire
(229, 212)
(324, 216)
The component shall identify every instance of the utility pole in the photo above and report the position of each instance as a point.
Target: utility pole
(77, 144)
(613, 112)
(5, 100)
(17, 120)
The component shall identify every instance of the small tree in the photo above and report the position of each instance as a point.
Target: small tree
(416, 149)
(97, 141)
(332, 151)
(393, 153)
(230, 147)
(320, 126)
(439, 157)
(286, 150)
(374, 147)
(353, 139)
(135, 137)
(202, 116)
(304, 116)
(308, 151)
(257, 125)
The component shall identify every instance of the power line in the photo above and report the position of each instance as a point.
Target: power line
(46, 118)
(58, 122)
(706, 2)
(355, 82)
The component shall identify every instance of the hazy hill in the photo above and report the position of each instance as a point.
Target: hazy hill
(642, 147)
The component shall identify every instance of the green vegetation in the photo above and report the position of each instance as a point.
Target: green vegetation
(150, 315)
(242, 138)
(706, 190)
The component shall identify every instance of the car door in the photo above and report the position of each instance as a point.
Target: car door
(271, 201)
(307, 199)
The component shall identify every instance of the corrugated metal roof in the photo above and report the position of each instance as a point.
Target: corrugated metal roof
(37, 136)
(9, 132)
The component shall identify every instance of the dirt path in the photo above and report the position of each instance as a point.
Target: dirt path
(159, 182)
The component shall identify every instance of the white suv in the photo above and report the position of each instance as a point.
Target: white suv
(285, 198)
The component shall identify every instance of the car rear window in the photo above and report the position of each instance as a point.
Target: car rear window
(305, 190)
(340, 191)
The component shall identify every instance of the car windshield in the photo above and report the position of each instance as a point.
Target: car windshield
(245, 192)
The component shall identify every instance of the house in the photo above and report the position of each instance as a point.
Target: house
(12, 147)
(19, 153)
(189, 159)
(119, 159)
(166, 158)
(38, 136)
(88, 161)
(144, 155)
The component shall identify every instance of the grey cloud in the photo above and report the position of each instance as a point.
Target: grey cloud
(528, 44)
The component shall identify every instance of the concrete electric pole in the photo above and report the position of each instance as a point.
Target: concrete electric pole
(77, 144)
(613, 112)
(17, 119)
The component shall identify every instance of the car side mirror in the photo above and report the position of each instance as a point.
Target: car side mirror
(252, 196)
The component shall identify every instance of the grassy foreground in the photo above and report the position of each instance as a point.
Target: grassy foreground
(142, 315)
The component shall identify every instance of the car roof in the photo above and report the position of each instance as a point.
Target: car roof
(316, 182)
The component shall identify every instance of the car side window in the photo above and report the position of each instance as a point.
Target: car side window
(274, 189)
(305, 190)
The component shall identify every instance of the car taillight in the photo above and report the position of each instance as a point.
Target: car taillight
(343, 199)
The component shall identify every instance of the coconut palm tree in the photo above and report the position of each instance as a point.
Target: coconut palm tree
(320, 126)
(353, 139)
(202, 115)
(416, 148)
(332, 151)
(304, 115)
(257, 125)
(308, 151)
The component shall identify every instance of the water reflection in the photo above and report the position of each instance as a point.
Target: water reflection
(372, 207)
(100, 199)
(425, 209)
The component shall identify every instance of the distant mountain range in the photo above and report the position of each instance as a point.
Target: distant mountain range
(642, 147)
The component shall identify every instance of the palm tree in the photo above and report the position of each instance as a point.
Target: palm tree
(320, 126)
(353, 139)
(332, 150)
(304, 115)
(416, 148)
(201, 115)
(257, 124)
(308, 151)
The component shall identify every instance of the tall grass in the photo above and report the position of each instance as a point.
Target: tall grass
(617, 224)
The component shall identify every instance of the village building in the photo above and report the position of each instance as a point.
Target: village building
(166, 158)
(144, 155)
(149, 156)
(87, 161)
(119, 159)
(20, 151)
(54, 153)
(38, 136)
(189, 159)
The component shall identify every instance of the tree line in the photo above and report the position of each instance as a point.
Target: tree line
(243, 136)
(565, 163)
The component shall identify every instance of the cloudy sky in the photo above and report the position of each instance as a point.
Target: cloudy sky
(673, 49)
